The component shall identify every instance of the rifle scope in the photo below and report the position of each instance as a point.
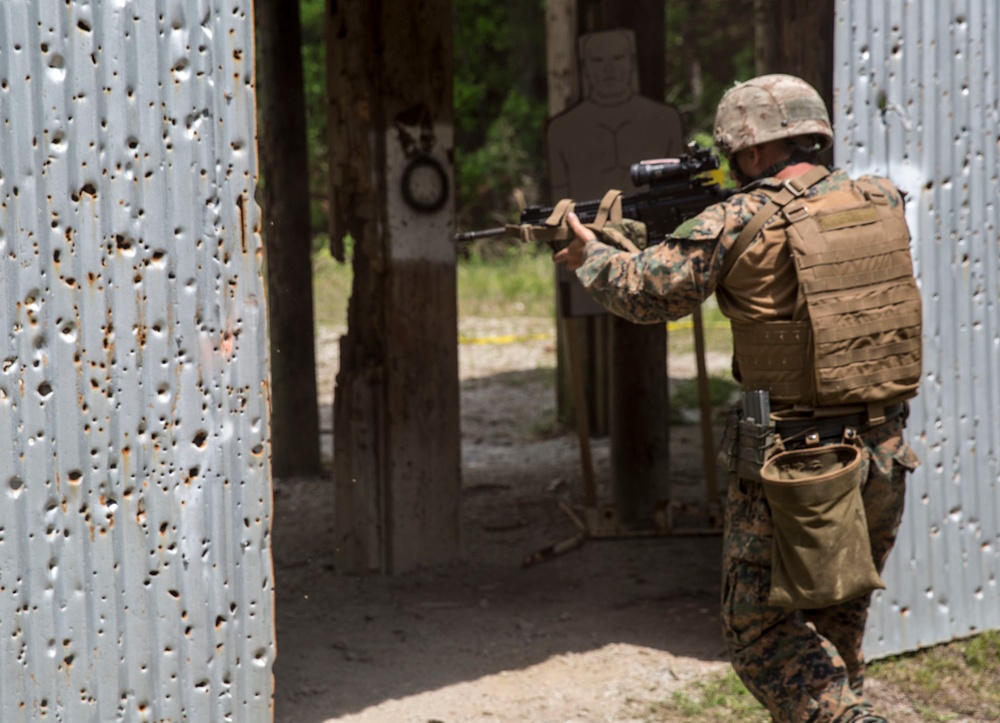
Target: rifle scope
(666, 169)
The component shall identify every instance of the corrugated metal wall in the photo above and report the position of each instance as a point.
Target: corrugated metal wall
(135, 573)
(917, 87)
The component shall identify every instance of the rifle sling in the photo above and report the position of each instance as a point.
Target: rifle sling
(559, 211)
(610, 210)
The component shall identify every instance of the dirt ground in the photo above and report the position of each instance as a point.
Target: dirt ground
(592, 635)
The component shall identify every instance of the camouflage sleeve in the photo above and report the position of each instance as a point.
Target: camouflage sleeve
(665, 281)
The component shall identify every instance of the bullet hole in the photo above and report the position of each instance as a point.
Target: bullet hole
(88, 189)
(57, 68)
(199, 439)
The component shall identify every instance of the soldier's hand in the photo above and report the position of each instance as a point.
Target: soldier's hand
(572, 255)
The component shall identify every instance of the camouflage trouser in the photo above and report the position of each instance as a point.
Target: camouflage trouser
(806, 665)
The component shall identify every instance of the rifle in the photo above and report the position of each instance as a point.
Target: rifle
(679, 189)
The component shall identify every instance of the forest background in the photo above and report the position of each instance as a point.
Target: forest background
(501, 102)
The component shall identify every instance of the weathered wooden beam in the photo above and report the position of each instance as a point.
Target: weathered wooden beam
(396, 424)
(797, 38)
(295, 447)
(637, 354)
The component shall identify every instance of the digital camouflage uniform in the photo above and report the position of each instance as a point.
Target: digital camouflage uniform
(802, 665)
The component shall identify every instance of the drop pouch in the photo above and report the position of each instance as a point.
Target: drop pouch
(821, 551)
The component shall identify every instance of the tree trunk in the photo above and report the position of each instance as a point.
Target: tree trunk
(396, 424)
(797, 38)
(560, 49)
(295, 447)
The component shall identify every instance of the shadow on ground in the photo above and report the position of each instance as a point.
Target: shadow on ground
(345, 644)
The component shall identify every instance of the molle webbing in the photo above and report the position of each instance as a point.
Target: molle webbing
(856, 276)
(860, 340)
(773, 356)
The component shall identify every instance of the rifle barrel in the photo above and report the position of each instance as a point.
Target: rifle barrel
(485, 233)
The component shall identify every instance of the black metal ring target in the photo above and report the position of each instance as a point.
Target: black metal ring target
(422, 165)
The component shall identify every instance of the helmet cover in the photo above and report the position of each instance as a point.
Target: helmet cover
(768, 108)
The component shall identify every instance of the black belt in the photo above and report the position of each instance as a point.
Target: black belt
(833, 427)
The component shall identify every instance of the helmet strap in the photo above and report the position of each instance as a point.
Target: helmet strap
(776, 168)
(742, 178)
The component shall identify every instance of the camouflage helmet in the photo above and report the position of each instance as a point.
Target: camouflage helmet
(769, 108)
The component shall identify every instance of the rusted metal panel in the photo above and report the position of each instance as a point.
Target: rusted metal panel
(134, 535)
(917, 94)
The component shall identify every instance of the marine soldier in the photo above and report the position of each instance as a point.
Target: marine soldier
(813, 270)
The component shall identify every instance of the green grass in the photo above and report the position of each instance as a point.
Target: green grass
(517, 280)
(508, 281)
(719, 698)
(331, 290)
(684, 404)
(955, 681)
(502, 281)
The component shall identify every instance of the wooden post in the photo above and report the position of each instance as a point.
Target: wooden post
(560, 50)
(295, 447)
(589, 368)
(712, 499)
(797, 38)
(637, 354)
(573, 370)
(396, 424)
